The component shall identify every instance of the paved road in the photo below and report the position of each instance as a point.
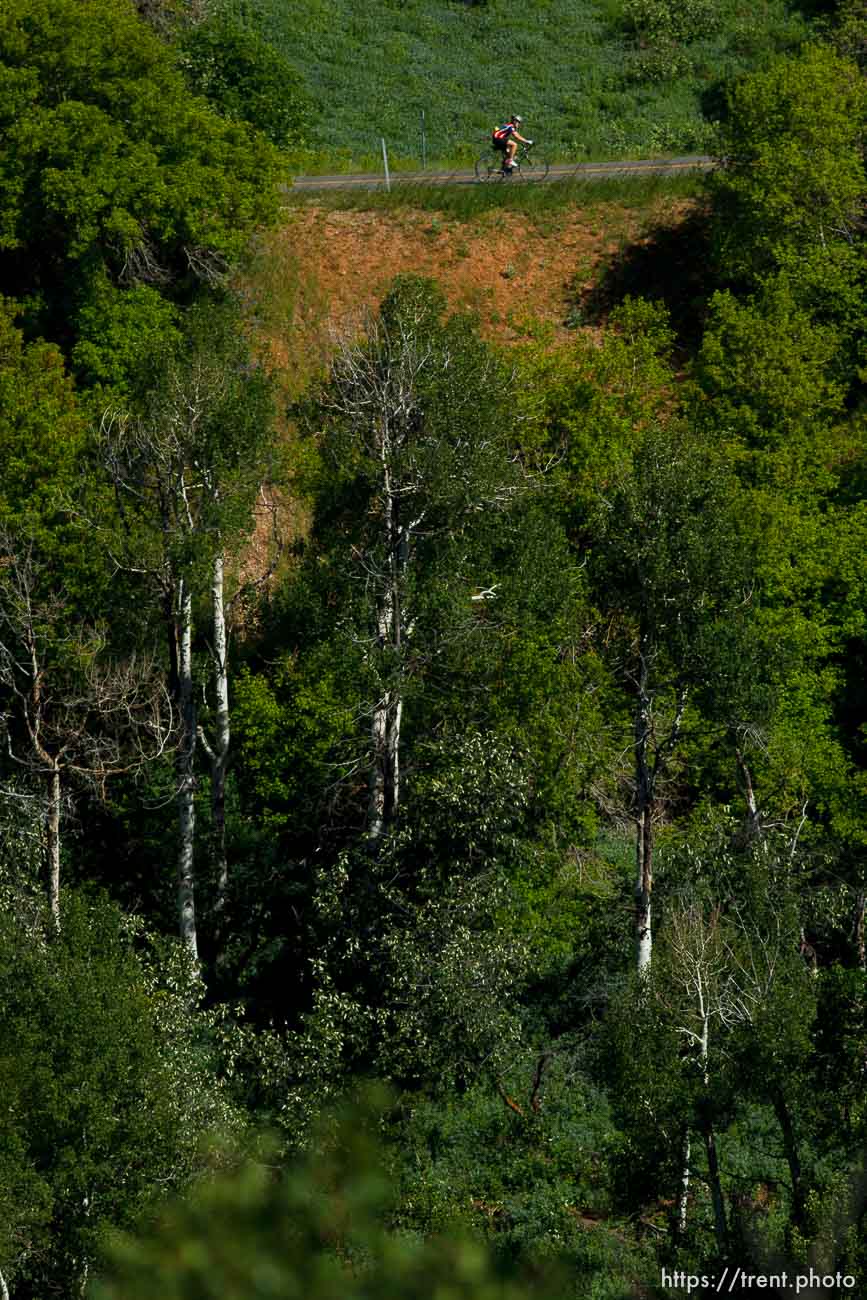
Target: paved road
(558, 172)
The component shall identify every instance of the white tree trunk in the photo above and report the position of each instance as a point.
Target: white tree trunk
(385, 763)
(719, 1207)
(378, 733)
(219, 755)
(643, 888)
(683, 1194)
(393, 753)
(400, 564)
(643, 827)
(4, 1290)
(52, 833)
(186, 776)
(384, 782)
(651, 759)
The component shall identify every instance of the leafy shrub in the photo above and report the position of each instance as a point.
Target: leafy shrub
(794, 181)
(665, 21)
(663, 61)
(534, 1185)
(107, 1088)
(247, 80)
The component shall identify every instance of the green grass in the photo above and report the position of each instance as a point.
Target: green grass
(464, 202)
(587, 83)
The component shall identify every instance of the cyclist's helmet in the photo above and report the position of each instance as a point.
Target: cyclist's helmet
(517, 120)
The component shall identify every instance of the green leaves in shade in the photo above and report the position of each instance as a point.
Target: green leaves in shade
(42, 427)
(105, 1082)
(113, 176)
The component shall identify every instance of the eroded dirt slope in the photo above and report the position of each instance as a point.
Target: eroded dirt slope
(325, 267)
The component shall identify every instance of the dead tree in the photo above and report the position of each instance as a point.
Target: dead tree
(702, 999)
(149, 466)
(721, 974)
(395, 407)
(71, 713)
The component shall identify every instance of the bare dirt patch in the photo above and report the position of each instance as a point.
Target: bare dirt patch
(503, 266)
(500, 268)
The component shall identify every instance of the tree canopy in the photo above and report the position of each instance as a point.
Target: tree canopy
(118, 187)
(445, 750)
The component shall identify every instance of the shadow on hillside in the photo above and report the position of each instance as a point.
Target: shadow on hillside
(670, 263)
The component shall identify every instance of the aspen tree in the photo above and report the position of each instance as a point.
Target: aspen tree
(416, 457)
(188, 463)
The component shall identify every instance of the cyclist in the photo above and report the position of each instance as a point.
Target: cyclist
(506, 139)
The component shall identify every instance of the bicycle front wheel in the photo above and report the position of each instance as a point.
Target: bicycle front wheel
(534, 169)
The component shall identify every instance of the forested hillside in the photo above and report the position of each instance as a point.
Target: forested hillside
(433, 781)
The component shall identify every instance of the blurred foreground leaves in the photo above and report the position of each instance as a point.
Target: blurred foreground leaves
(318, 1231)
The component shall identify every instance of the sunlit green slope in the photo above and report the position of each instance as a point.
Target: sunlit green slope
(592, 78)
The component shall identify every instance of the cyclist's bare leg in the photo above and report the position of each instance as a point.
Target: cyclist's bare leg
(511, 150)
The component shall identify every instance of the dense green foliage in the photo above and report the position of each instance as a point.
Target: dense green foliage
(43, 429)
(417, 707)
(118, 189)
(794, 178)
(107, 1086)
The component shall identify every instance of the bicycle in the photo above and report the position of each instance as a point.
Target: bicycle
(528, 166)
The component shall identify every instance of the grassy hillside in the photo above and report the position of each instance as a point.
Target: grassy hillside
(592, 78)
